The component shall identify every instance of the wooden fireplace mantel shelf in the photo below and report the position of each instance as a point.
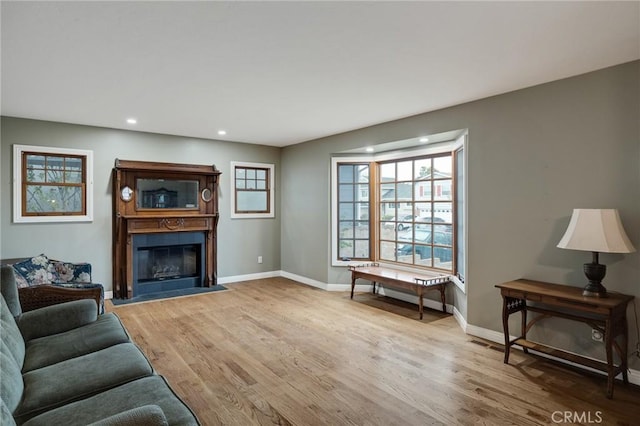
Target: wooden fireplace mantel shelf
(162, 198)
(139, 225)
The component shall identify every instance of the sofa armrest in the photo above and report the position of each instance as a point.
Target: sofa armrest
(56, 319)
(147, 415)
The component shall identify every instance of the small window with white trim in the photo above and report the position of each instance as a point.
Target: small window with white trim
(52, 184)
(252, 194)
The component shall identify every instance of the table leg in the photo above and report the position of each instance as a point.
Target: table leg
(625, 350)
(523, 326)
(420, 302)
(374, 287)
(505, 328)
(442, 298)
(608, 338)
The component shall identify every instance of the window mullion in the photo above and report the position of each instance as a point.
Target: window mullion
(374, 214)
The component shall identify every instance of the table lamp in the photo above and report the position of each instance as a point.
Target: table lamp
(597, 231)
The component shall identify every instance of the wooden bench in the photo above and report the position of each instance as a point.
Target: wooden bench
(400, 279)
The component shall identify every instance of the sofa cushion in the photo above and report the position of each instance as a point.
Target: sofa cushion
(6, 418)
(9, 289)
(149, 390)
(58, 384)
(12, 340)
(147, 415)
(106, 331)
(56, 319)
(11, 384)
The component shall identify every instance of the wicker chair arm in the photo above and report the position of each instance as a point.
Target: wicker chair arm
(40, 296)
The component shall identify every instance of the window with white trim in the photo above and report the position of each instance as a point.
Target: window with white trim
(252, 193)
(354, 240)
(402, 208)
(52, 184)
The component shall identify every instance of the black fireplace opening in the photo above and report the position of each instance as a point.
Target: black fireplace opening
(167, 261)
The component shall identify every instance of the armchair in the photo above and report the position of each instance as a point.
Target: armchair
(43, 282)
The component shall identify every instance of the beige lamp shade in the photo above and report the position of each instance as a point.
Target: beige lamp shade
(596, 230)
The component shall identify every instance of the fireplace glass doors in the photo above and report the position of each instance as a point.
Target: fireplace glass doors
(164, 262)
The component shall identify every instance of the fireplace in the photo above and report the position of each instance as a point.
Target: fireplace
(165, 218)
(168, 261)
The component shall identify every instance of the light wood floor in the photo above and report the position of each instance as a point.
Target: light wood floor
(274, 351)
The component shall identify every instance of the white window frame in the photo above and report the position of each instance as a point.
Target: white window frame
(334, 206)
(271, 184)
(18, 216)
(461, 236)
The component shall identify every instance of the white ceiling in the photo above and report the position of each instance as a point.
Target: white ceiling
(279, 73)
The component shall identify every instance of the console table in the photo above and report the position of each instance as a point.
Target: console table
(606, 314)
(397, 278)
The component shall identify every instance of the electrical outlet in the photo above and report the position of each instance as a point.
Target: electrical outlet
(259, 259)
(596, 335)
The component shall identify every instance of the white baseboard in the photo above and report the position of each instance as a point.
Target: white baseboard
(248, 277)
(462, 322)
(304, 280)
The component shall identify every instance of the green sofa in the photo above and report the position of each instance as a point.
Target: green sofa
(66, 365)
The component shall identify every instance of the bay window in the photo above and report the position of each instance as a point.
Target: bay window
(405, 209)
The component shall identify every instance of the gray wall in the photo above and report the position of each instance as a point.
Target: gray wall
(533, 156)
(240, 241)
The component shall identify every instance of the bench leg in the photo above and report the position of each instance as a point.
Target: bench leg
(353, 284)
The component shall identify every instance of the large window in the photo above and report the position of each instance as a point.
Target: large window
(403, 209)
(415, 207)
(52, 184)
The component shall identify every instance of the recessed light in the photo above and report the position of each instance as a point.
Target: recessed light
(222, 132)
(132, 120)
(369, 149)
(424, 139)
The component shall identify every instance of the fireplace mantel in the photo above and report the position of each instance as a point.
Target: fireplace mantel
(161, 198)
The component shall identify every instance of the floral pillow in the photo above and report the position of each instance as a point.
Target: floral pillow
(72, 272)
(35, 271)
(41, 270)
